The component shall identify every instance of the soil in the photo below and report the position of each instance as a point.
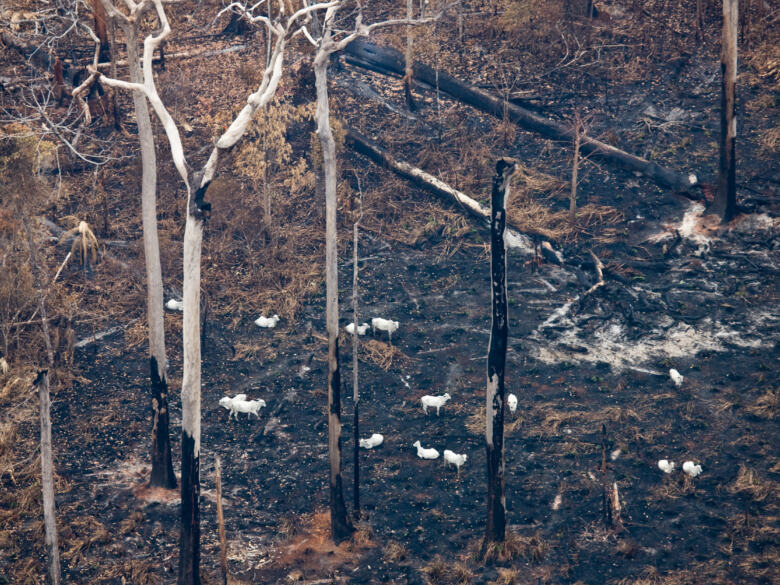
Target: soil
(679, 292)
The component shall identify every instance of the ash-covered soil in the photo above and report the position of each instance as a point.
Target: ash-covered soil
(576, 362)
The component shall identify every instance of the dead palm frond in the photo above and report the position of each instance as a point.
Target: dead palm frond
(85, 244)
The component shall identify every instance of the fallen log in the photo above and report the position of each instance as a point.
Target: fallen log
(386, 60)
(362, 145)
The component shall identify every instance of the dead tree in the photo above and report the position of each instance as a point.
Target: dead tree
(341, 527)
(355, 391)
(282, 29)
(725, 203)
(42, 383)
(578, 131)
(496, 363)
(162, 465)
(101, 30)
(331, 42)
(408, 63)
(386, 60)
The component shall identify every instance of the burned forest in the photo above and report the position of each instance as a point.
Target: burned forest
(367, 291)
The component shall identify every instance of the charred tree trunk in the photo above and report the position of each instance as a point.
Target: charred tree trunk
(606, 499)
(47, 457)
(355, 391)
(189, 552)
(341, 527)
(162, 466)
(389, 61)
(221, 523)
(499, 332)
(725, 203)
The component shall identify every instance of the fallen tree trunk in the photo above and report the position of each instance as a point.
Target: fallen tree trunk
(389, 61)
(379, 155)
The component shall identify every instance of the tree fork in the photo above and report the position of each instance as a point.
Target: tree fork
(496, 363)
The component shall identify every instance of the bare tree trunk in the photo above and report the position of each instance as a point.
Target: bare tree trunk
(162, 466)
(355, 391)
(47, 457)
(725, 203)
(574, 170)
(499, 332)
(606, 499)
(114, 98)
(189, 551)
(221, 523)
(101, 30)
(408, 74)
(699, 20)
(341, 527)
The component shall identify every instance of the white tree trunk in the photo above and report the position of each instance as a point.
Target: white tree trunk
(340, 525)
(189, 553)
(162, 466)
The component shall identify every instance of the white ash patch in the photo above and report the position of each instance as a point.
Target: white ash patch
(609, 345)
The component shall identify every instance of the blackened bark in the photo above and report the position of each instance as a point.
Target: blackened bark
(189, 549)
(725, 203)
(606, 503)
(341, 527)
(389, 61)
(496, 364)
(221, 523)
(355, 389)
(356, 457)
(162, 466)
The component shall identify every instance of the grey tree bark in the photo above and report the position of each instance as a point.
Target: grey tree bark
(341, 527)
(47, 457)
(162, 465)
(196, 185)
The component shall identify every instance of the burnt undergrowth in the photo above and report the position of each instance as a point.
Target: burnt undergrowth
(679, 292)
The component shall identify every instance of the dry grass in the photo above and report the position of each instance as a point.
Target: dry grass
(532, 548)
(82, 533)
(475, 422)
(440, 572)
(395, 553)
(382, 354)
(759, 489)
(507, 576)
(766, 405)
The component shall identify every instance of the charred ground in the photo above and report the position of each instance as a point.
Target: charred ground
(704, 303)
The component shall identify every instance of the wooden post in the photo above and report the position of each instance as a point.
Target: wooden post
(725, 203)
(499, 332)
(221, 522)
